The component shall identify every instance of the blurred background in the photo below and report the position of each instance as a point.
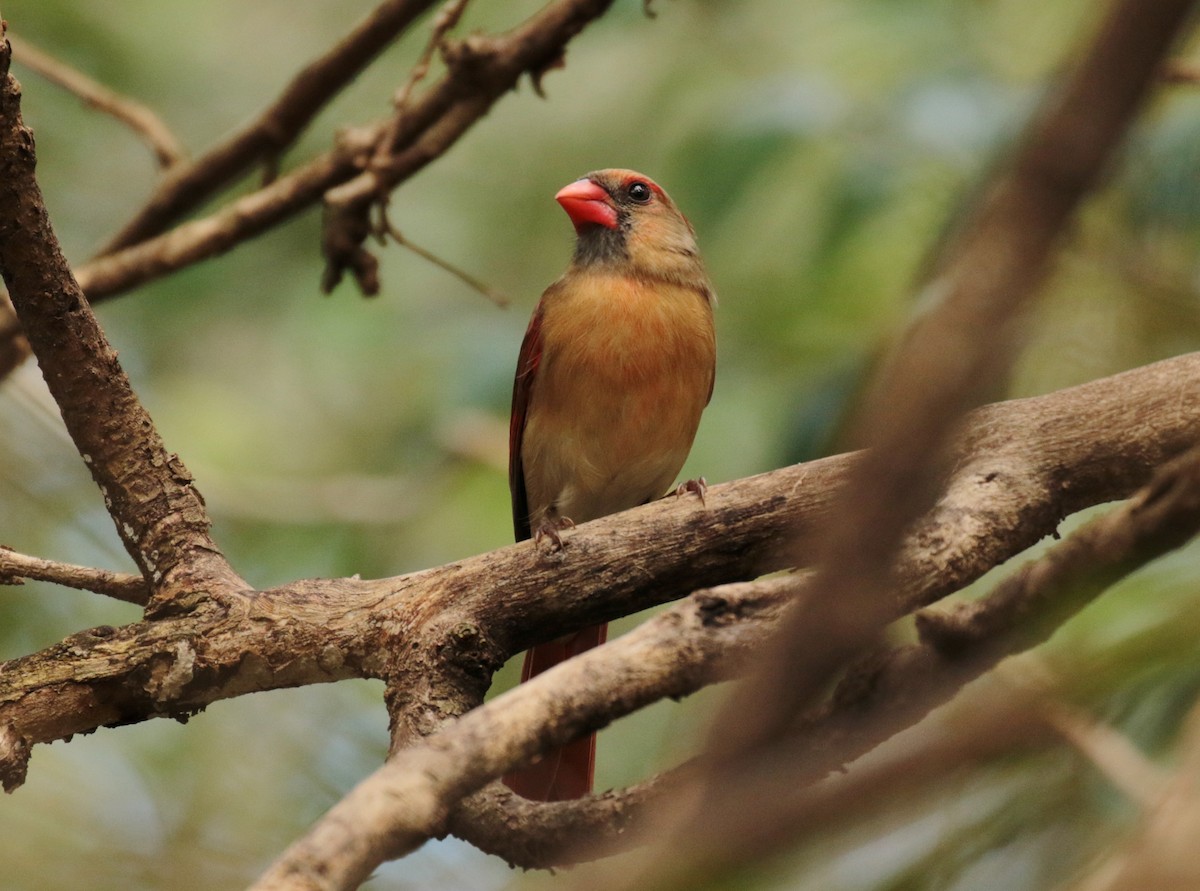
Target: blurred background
(820, 149)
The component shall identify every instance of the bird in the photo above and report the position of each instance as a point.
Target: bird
(616, 367)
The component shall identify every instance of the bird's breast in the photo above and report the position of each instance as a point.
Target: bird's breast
(626, 369)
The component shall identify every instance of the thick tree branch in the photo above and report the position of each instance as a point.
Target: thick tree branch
(895, 688)
(138, 117)
(479, 611)
(885, 695)
(158, 513)
(691, 645)
(408, 800)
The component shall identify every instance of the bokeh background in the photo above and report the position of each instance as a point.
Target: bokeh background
(820, 149)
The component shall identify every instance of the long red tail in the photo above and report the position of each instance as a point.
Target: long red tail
(566, 772)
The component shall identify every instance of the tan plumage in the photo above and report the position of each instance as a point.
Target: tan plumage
(616, 366)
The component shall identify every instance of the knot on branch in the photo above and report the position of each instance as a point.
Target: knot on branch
(344, 230)
(466, 650)
(14, 758)
(470, 57)
(171, 672)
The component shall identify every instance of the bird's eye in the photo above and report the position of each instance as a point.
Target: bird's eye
(639, 192)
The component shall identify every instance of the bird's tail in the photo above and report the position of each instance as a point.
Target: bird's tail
(566, 772)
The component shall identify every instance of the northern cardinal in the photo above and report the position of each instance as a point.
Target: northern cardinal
(616, 366)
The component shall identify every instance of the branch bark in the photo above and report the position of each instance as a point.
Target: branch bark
(481, 69)
(275, 128)
(1016, 480)
(409, 800)
(16, 568)
(158, 513)
(696, 643)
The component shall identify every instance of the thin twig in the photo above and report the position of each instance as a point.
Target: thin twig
(462, 275)
(1111, 752)
(135, 115)
(445, 20)
(16, 568)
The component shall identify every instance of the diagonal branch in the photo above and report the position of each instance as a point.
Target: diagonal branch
(276, 127)
(889, 693)
(481, 70)
(158, 513)
(138, 117)
(408, 800)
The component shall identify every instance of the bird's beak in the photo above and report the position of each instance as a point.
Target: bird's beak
(586, 204)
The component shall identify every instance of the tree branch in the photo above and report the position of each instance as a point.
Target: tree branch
(276, 127)
(409, 800)
(1081, 446)
(481, 69)
(16, 568)
(159, 515)
(894, 688)
(693, 644)
(133, 114)
(890, 693)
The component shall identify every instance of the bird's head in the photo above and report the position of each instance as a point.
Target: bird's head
(626, 220)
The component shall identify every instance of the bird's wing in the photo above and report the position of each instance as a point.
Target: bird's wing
(527, 365)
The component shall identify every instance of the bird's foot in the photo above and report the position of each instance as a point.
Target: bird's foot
(551, 530)
(698, 487)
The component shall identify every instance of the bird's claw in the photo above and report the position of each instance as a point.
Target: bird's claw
(698, 487)
(552, 530)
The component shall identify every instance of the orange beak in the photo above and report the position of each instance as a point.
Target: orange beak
(587, 204)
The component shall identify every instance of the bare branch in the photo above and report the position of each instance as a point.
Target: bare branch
(16, 568)
(1083, 446)
(276, 127)
(421, 131)
(408, 800)
(545, 835)
(894, 690)
(482, 70)
(158, 514)
(463, 276)
(138, 117)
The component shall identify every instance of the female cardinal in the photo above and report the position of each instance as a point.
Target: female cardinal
(616, 366)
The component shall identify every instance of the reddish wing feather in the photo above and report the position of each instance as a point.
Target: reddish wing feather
(527, 365)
